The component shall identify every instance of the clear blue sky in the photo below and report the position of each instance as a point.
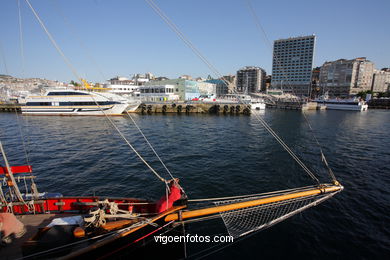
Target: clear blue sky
(124, 37)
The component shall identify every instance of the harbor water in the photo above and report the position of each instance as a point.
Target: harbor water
(226, 155)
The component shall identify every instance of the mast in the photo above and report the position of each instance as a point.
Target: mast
(14, 189)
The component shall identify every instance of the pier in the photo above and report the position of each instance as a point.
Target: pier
(9, 107)
(194, 107)
(380, 103)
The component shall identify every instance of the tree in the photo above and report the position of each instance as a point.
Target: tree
(362, 94)
(74, 83)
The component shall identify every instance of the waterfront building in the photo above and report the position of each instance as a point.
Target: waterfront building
(200, 79)
(381, 81)
(160, 78)
(315, 80)
(292, 65)
(343, 78)
(268, 79)
(121, 81)
(187, 77)
(221, 88)
(231, 79)
(149, 76)
(122, 86)
(158, 93)
(250, 79)
(141, 79)
(187, 89)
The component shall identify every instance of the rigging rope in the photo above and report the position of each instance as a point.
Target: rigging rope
(78, 38)
(77, 75)
(287, 191)
(198, 53)
(21, 38)
(154, 151)
(3, 58)
(261, 29)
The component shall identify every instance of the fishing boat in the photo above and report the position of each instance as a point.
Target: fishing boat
(74, 102)
(95, 227)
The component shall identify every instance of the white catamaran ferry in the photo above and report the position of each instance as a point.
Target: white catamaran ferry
(75, 102)
(344, 104)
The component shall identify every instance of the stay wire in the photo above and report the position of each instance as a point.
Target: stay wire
(268, 42)
(23, 70)
(78, 38)
(3, 58)
(154, 151)
(21, 38)
(77, 75)
(214, 70)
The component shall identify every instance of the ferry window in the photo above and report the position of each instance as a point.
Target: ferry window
(38, 104)
(65, 93)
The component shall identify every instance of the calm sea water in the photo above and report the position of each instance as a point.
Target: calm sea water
(222, 156)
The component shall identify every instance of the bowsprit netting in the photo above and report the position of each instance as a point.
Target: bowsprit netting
(243, 221)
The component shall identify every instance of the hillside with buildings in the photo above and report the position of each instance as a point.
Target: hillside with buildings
(11, 87)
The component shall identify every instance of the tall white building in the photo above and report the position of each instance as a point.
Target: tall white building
(292, 65)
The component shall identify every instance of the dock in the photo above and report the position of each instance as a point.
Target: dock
(10, 107)
(379, 103)
(194, 107)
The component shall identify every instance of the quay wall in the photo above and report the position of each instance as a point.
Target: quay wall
(209, 108)
(5, 107)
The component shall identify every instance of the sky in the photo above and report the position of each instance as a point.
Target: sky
(107, 38)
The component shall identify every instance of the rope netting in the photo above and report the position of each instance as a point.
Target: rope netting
(243, 221)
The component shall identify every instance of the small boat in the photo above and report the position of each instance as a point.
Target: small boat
(257, 105)
(75, 102)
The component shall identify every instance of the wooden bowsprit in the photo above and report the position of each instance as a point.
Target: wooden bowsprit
(244, 215)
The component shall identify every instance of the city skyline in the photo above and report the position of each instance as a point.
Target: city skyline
(125, 38)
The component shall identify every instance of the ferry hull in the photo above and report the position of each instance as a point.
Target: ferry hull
(258, 106)
(111, 110)
(132, 107)
(347, 107)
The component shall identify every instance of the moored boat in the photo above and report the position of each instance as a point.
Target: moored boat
(75, 102)
(257, 104)
(344, 104)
